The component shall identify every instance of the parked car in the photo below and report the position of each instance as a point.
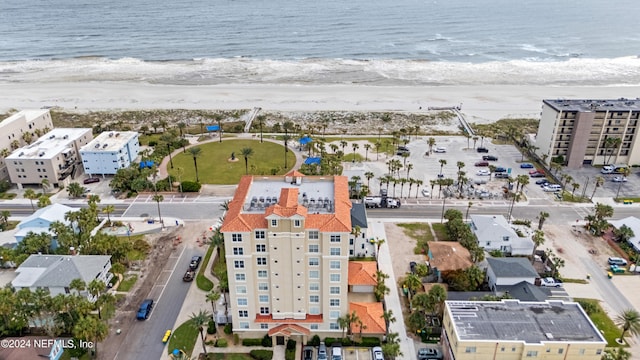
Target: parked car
(616, 269)
(91, 180)
(482, 163)
(307, 353)
(440, 149)
(536, 171)
(322, 351)
(490, 158)
(501, 176)
(482, 150)
(189, 275)
(617, 261)
(552, 188)
(426, 192)
(401, 152)
(537, 174)
(412, 266)
(619, 179)
(500, 169)
(145, 309)
(195, 262)
(377, 353)
(542, 182)
(336, 353)
(429, 354)
(606, 170)
(166, 336)
(550, 282)
(483, 172)
(526, 166)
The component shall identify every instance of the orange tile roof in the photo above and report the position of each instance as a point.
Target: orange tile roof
(339, 221)
(270, 319)
(287, 329)
(371, 316)
(294, 173)
(362, 273)
(449, 256)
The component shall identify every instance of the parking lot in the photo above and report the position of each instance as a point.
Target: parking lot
(587, 175)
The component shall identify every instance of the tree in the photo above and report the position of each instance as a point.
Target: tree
(43, 201)
(75, 190)
(388, 317)
(538, 240)
(610, 144)
(541, 219)
(378, 242)
(213, 296)
(624, 172)
(468, 208)
(598, 183)
(432, 142)
(616, 354)
(624, 233)
(4, 215)
(31, 195)
(442, 162)
(343, 323)
(629, 321)
(45, 184)
(158, 198)
(367, 147)
(391, 349)
(369, 175)
(198, 321)
(89, 328)
(195, 153)
(108, 210)
(246, 153)
(412, 283)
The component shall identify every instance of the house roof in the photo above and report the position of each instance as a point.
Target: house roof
(633, 223)
(362, 273)
(524, 291)
(295, 173)
(510, 267)
(371, 316)
(288, 329)
(27, 352)
(58, 270)
(51, 213)
(359, 216)
(448, 256)
(491, 227)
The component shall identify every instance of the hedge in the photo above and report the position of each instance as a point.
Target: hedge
(370, 342)
(190, 186)
(222, 343)
(261, 354)
(252, 342)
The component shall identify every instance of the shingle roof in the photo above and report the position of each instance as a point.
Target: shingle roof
(491, 227)
(362, 273)
(359, 215)
(448, 256)
(524, 291)
(512, 267)
(50, 213)
(371, 316)
(58, 270)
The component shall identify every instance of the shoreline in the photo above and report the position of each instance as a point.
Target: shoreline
(481, 104)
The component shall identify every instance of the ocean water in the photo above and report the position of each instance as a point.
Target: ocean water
(375, 42)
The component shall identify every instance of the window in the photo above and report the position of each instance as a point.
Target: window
(262, 274)
(263, 299)
(238, 251)
(240, 277)
(505, 238)
(314, 248)
(334, 302)
(236, 237)
(314, 274)
(260, 234)
(242, 302)
(334, 326)
(470, 349)
(264, 326)
(581, 352)
(241, 289)
(599, 352)
(532, 353)
(335, 265)
(335, 251)
(314, 310)
(314, 287)
(264, 310)
(314, 327)
(263, 286)
(314, 235)
(261, 261)
(244, 325)
(274, 223)
(335, 238)
(243, 313)
(334, 314)
(297, 223)
(238, 264)
(335, 278)
(314, 262)
(334, 290)
(560, 351)
(314, 299)
(261, 248)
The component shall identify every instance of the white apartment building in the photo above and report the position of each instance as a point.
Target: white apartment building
(18, 130)
(287, 254)
(109, 152)
(54, 157)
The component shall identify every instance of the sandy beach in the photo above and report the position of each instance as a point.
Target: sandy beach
(479, 103)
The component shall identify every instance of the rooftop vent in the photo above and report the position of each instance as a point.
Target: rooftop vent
(52, 137)
(65, 137)
(97, 145)
(105, 145)
(41, 154)
(117, 134)
(21, 154)
(110, 134)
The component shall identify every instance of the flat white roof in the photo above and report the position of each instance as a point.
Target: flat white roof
(27, 115)
(312, 193)
(49, 145)
(109, 141)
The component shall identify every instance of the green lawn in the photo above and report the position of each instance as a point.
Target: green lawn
(602, 321)
(202, 281)
(7, 196)
(441, 231)
(212, 356)
(127, 283)
(183, 338)
(214, 167)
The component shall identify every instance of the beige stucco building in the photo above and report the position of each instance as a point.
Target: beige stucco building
(578, 129)
(54, 157)
(19, 129)
(287, 254)
(512, 330)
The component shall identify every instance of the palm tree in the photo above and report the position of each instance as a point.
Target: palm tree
(4, 215)
(367, 147)
(158, 198)
(541, 219)
(43, 201)
(89, 328)
(213, 296)
(629, 321)
(442, 162)
(468, 208)
(598, 182)
(246, 153)
(624, 172)
(260, 120)
(355, 147)
(108, 210)
(343, 323)
(412, 283)
(181, 127)
(45, 184)
(538, 239)
(198, 321)
(388, 319)
(574, 187)
(611, 144)
(431, 142)
(31, 195)
(195, 153)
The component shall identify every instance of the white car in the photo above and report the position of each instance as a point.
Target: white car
(426, 192)
(483, 172)
(552, 188)
(440, 149)
(377, 353)
(619, 179)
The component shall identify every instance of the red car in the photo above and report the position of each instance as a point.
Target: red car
(536, 172)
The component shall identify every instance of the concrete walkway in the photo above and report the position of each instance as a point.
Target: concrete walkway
(376, 230)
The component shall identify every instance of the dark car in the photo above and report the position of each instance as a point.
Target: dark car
(500, 169)
(195, 262)
(542, 182)
(189, 275)
(482, 150)
(537, 175)
(526, 166)
(412, 266)
(490, 158)
(145, 309)
(91, 180)
(307, 353)
(482, 163)
(429, 354)
(501, 176)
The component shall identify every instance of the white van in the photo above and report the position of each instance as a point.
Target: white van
(336, 353)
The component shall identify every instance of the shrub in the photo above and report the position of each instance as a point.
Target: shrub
(228, 329)
(290, 355)
(329, 340)
(261, 354)
(315, 341)
(153, 143)
(236, 339)
(190, 186)
(345, 341)
(370, 342)
(291, 344)
(211, 327)
(222, 343)
(252, 342)
(267, 341)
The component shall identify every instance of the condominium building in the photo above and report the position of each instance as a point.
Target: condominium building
(20, 129)
(578, 130)
(109, 152)
(54, 157)
(511, 329)
(287, 253)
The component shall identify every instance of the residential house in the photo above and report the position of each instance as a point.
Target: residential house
(371, 323)
(509, 271)
(495, 233)
(362, 276)
(446, 256)
(632, 223)
(55, 272)
(109, 152)
(359, 244)
(40, 221)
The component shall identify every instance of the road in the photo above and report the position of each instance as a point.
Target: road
(607, 290)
